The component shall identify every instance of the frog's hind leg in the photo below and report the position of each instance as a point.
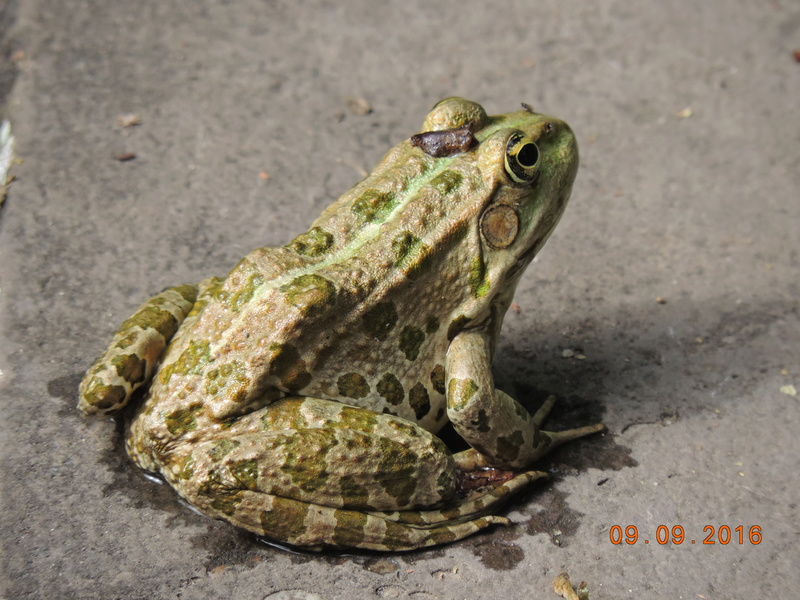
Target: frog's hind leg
(314, 527)
(136, 349)
(315, 473)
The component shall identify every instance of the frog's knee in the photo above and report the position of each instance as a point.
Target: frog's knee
(134, 352)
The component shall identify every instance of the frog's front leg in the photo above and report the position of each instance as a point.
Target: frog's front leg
(498, 427)
(137, 347)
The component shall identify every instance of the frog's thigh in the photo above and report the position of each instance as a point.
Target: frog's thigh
(324, 453)
(273, 472)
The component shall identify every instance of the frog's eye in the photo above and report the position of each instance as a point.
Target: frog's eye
(522, 158)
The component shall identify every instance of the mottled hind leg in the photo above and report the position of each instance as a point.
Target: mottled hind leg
(314, 527)
(314, 473)
(136, 349)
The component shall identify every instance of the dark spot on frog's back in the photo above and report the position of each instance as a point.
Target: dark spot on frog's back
(431, 325)
(447, 181)
(351, 487)
(310, 293)
(380, 319)
(419, 400)
(352, 385)
(390, 389)
(313, 243)
(287, 366)
(437, 379)
(373, 205)
(411, 254)
(410, 341)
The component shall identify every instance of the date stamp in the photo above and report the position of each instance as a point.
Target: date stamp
(714, 535)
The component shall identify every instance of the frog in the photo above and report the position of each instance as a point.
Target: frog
(300, 396)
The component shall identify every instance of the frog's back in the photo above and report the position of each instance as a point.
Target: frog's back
(362, 306)
(356, 309)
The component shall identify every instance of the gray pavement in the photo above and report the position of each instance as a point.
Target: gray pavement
(675, 273)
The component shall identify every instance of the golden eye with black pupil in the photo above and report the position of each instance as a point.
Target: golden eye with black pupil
(522, 158)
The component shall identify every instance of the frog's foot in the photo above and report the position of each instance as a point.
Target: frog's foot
(136, 349)
(479, 502)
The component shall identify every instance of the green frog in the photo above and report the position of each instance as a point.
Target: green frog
(299, 396)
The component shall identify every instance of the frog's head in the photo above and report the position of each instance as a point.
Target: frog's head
(526, 163)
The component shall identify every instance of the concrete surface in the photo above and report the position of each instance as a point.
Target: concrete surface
(700, 210)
